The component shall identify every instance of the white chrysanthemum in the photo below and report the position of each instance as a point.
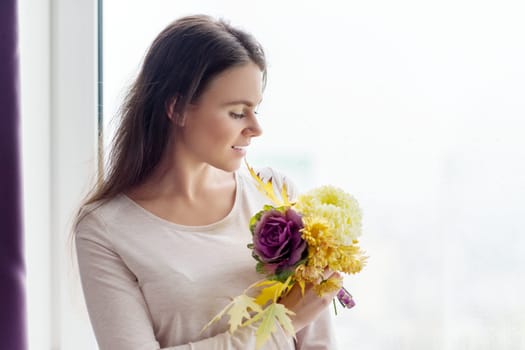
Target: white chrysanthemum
(337, 207)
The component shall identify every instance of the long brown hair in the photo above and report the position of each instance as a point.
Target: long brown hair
(179, 64)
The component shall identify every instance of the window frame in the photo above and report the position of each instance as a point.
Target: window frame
(59, 127)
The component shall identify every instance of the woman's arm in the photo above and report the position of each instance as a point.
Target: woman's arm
(311, 318)
(318, 335)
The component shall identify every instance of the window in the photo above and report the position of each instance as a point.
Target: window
(416, 109)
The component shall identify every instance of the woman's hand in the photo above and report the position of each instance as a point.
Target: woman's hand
(308, 306)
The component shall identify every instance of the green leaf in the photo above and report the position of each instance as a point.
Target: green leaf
(260, 268)
(268, 207)
(283, 275)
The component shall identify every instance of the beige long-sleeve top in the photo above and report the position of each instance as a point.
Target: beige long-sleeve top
(152, 284)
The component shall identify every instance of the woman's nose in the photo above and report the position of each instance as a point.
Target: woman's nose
(254, 128)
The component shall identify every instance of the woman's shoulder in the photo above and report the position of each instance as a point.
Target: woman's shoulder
(99, 212)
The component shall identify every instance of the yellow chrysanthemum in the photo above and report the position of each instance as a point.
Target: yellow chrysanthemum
(307, 274)
(330, 285)
(339, 209)
(317, 231)
(349, 259)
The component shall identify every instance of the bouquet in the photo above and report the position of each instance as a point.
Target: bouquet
(294, 243)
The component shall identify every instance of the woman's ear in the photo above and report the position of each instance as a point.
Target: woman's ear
(172, 114)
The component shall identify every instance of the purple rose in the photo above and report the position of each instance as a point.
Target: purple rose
(277, 241)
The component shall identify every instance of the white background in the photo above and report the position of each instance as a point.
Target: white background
(415, 107)
(418, 109)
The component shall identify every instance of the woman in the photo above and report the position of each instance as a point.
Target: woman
(161, 241)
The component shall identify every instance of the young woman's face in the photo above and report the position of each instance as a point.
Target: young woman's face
(220, 125)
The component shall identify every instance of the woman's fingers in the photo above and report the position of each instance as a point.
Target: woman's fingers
(307, 306)
(327, 273)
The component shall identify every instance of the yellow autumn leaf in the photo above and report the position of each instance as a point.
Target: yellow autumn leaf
(273, 292)
(237, 310)
(284, 195)
(283, 319)
(269, 317)
(266, 188)
(269, 293)
(266, 295)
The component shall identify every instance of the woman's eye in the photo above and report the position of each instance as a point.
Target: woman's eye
(236, 115)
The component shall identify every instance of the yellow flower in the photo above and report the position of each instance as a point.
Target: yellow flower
(316, 231)
(339, 209)
(350, 259)
(332, 223)
(330, 285)
(307, 274)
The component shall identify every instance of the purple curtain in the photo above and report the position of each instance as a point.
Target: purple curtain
(12, 268)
